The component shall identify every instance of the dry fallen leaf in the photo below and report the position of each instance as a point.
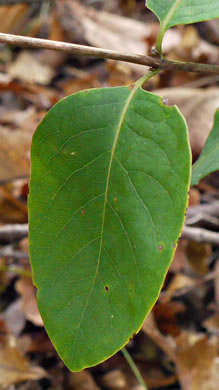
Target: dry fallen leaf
(12, 17)
(14, 317)
(212, 324)
(179, 262)
(165, 314)
(167, 344)
(179, 281)
(82, 381)
(28, 296)
(198, 255)
(15, 142)
(12, 210)
(197, 362)
(28, 68)
(14, 154)
(79, 83)
(216, 282)
(190, 38)
(114, 380)
(41, 96)
(198, 107)
(14, 366)
(194, 197)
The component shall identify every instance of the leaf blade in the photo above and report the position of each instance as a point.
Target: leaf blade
(174, 12)
(208, 161)
(97, 151)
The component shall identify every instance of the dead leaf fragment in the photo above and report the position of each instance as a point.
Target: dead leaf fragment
(14, 154)
(179, 282)
(212, 324)
(14, 366)
(165, 314)
(180, 261)
(14, 317)
(198, 255)
(82, 381)
(194, 197)
(197, 362)
(12, 17)
(167, 344)
(198, 107)
(114, 379)
(25, 287)
(27, 68)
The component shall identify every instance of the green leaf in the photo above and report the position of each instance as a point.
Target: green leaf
(208, 161)
(173, 12)
(108, 191)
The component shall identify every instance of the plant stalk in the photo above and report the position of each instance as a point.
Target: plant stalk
(16, 270)
(134, 368)
(152, 61)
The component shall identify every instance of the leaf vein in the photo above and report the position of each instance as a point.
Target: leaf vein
(139, 197)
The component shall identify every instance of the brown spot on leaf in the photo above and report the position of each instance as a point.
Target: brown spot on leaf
(83, 211)
(131, 86)
(160, 247)
(106, 288)
(134, 334)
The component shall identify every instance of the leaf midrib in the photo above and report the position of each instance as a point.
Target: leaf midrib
(170, 14)
(130, 97)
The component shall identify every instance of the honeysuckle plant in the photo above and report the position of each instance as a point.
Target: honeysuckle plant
(110, 175)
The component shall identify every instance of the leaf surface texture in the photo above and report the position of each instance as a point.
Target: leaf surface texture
(108, 191)
(208, 161)
(174, 12)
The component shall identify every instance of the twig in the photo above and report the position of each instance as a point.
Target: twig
(77, 49)
(185, 290)
(13, 2)
(205, 208)
(16, 270)
(9, 251)
(18, 231)
(203, 219)
(153, 62)
(200, 235)
(13, 232)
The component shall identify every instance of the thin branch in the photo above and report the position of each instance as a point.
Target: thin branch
(205, 208)
(197, 283)
(200, 235)
(203, 219)
(13, 2)
(9, 251)
(189, 66)
(18, 231)
(81, 50)
(13, 232)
